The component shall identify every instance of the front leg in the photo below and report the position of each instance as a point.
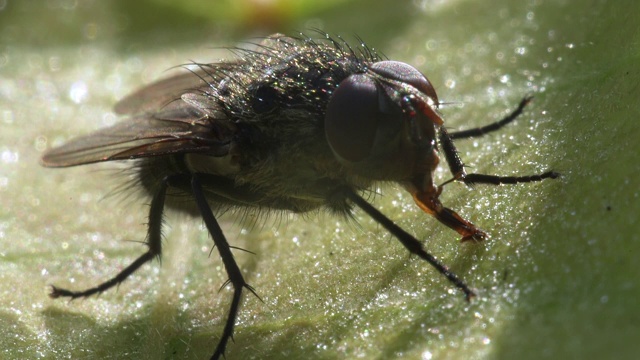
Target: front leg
(427, 199)
(480, 131)
(457, 166)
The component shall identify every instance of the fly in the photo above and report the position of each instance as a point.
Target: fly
(294, 124)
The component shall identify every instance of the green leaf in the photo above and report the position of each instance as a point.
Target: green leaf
(556, 279)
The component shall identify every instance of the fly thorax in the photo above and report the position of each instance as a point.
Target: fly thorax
(214, 165)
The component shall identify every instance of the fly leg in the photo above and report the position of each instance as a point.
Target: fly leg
(451, 153)
(479, 131)
(409, 241)
(428, 200)
(457, 166)
(154, 242)
(233, 271)
(459, 173)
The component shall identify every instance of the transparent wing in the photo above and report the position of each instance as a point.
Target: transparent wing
(178, 114)
(156, 95)
(179, 128)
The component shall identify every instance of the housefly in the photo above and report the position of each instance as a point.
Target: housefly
(294, 124)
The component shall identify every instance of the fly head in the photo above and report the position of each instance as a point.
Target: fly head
(382, 123)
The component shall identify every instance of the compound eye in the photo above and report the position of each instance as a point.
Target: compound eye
(352, 117)
(399, 71)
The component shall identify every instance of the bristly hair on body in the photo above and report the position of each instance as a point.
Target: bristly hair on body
(288, 78)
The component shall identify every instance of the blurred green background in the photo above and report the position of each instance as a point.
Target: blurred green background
(557, 280)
